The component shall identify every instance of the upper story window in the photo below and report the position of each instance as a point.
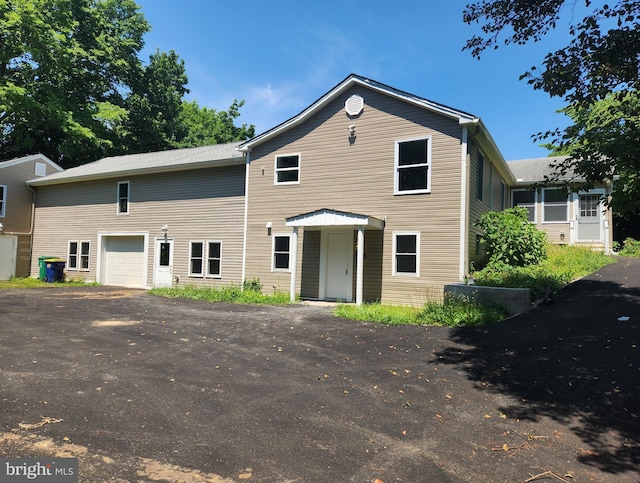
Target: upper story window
(525, 199)
(413, 166)
(123, 197)
(555, 205)
(3, 200)
(40, 169)
(287, 169)
(480, 175)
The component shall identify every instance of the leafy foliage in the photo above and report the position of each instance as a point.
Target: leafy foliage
(231, 293)
(631, 248)
(561, 265)
(597, 74)
(72, 85)
(510, 240)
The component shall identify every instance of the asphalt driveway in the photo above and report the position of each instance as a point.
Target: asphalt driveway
(142, 388)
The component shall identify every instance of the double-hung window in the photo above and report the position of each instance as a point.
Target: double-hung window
(78, 258)
(205, 259)
(406, 254)
(3, 200)
(287, 169)
(413, 166)
(525, 199)
(123, 197)
(281, 253)
(555, 203)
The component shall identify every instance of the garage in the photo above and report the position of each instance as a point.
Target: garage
(124, 261)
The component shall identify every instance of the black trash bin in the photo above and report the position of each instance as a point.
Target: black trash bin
(54, 270)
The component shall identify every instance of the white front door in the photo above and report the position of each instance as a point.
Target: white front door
(8, 253)
(339, 266)
(163, 270)
(589, 214)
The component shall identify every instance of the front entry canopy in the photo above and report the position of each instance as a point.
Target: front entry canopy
(326, 217)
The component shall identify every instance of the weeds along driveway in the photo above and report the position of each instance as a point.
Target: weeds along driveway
(142, 388)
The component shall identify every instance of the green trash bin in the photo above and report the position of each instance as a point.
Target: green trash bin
(43, 267)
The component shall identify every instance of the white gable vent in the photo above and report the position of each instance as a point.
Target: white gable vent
(354, 105)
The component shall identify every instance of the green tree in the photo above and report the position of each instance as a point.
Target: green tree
(64, 65)
(597, 75)
(207, 126)
(155, 105)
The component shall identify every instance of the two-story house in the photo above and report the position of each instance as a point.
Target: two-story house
(370, 193)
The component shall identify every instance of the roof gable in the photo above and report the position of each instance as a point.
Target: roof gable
(353, 79)
(26, 159)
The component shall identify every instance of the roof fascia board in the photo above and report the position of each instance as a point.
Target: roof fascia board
(139, 171)
(489, 144)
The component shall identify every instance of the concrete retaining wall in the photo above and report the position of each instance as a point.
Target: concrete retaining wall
(515, 300)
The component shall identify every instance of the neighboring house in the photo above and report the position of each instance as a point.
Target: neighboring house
(576, 218)
(154, 219)
(370, 193)
(16, 211)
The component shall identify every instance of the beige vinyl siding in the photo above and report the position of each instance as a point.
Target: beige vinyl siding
(359, 178)
(197, 205)
(18, 208)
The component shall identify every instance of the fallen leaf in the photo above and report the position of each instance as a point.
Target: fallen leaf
(487, 416)
(404, 432)
(505, 447)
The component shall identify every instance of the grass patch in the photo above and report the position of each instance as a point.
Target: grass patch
(29, 282)
(631, 248)
(562, 265)
(455, 312)
(231, 293)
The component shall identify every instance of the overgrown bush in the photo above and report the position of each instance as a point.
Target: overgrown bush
(631, 248)
(510, 240)
(253, 285)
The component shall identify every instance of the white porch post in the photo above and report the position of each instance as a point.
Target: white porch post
(293, 263)
(360, 268)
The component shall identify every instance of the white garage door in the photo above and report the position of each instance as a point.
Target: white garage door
(124, 261)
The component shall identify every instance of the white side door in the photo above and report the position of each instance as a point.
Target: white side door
(163, 266)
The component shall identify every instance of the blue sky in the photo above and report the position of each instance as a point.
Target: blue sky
(282, 55)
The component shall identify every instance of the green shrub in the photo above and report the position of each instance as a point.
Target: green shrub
(253, 285)
(510, 239)
(230, 293)
(631, 248)
(459, 311)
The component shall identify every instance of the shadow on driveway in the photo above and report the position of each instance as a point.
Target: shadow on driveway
(575, 361)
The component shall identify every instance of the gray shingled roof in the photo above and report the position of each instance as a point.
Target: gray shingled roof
(145, 163)
(534, 170)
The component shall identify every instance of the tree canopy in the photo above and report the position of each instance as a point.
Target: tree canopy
(597, 74)
(73, 87)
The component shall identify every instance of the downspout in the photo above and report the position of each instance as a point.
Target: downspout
(246, 214)
(464, 206)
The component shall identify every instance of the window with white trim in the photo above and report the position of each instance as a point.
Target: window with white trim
(555, 205)
(196, 259)
(525, 199)
(78, 256)
(281, 253)
(413, 166)
(287, 169)
(406, 254)
(214, 258)
(205, 259)
(3, 200)
(123, 197)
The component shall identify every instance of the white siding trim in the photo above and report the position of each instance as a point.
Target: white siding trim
(464, 205)
(247, 164)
